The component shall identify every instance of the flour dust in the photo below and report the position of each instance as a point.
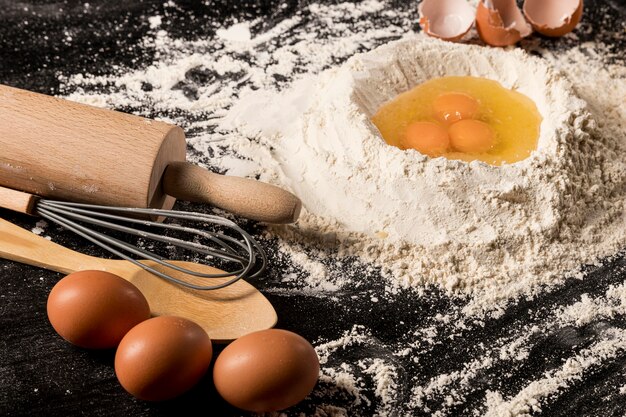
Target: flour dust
(475, 352)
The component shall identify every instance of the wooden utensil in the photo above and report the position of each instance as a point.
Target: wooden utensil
(73, 152)
(225, 314)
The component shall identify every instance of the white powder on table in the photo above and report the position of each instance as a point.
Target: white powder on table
(194, 83)
(343, 381)
(527, 400)
(40, 227)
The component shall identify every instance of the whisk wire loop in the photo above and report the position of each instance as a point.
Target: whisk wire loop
(229, 253)
(247, 253)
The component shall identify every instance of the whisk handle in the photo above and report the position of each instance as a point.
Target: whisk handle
(17, 201)
(244, 197)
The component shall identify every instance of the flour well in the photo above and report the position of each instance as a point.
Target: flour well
(424, 220)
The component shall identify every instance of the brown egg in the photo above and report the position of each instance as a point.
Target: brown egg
(95, 309)
(266, 371)
(162, 358)
(446, 19)
(500, 22)
(553, 17)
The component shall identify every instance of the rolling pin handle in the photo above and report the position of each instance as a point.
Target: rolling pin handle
(241, 196)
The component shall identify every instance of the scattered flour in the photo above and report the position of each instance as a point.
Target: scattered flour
(385, 376)
(342, 378)
(575, 217)
(40, 227)
(589, 309)
(528, 399)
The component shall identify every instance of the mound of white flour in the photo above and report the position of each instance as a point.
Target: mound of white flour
(428, 220)
(492, 232)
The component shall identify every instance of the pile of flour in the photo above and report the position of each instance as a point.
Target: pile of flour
(463, 225)
(252, 105)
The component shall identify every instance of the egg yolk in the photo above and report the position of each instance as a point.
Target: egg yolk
(482, 120)
(426, 137)
(452, 107)
(471, 136)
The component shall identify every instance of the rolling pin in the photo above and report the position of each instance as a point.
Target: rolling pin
(68, 151)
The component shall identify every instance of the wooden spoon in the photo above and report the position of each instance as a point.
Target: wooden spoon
(225, 314)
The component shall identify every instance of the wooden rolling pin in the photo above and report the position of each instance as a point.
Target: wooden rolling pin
(73, 152)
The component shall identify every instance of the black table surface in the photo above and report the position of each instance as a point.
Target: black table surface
(40, 374)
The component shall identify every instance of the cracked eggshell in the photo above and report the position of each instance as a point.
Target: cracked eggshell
(446, 19)
(553, 17)
(501, 22)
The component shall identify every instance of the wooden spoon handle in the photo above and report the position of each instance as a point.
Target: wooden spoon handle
(22, 246)
(245, 197)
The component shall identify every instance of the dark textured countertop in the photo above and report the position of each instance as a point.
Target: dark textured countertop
(40, 374)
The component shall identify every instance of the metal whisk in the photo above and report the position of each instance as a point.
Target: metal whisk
(245, 252)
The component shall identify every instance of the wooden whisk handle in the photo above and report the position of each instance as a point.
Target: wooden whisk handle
(17, 201)
(245, 197)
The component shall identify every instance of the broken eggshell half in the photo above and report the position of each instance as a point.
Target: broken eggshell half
(501, 22)
(553, 17)
(446, 19)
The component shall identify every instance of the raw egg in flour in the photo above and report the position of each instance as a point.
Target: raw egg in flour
(471, 136)
(266, 371)
(429, 138)
(95, 309)
(162, 358)
(452, 107)
(464, 118)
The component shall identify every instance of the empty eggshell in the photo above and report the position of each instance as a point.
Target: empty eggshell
(553, 17)
(500, 22)
(446, 19)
